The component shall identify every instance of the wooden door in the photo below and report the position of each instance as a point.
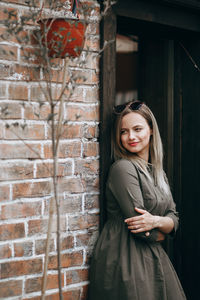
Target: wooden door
(170, 85)
(187, 160)
(156, 77)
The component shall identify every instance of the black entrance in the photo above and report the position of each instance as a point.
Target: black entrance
(169, 82)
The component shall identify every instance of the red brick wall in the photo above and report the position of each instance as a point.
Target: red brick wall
(25, 184)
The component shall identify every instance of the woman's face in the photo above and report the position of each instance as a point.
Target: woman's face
(135, 134)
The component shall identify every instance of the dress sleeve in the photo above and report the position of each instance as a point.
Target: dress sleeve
(173, 214)
(124, 185)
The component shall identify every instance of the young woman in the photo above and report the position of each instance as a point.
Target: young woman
(129, 262)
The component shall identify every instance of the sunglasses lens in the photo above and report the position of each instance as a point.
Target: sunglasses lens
(119, 108)
(135, 105)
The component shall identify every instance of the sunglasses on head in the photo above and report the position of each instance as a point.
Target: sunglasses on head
(135, 105)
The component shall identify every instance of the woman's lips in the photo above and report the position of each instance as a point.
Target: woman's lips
(133, 144)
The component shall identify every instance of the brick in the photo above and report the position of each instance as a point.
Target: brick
(23, 249)
(83, 222)
(76, 96)
(90, 9)
(91, 184)
(73, 185)
(84, 294)
(38, 227)
(82, 113)
(34, 111)
(92, 43)
(86, 167)
(18, 92)
(4, 193)
(57, 75)
(91, 202)
(70, 149)
(2, 91)
(71, 131)
(89, 131)
(10, 288)
(36, 2)
(67, 242)
(8, 52)
(10, 110)
(67, 260)
(55, 93)
(46, 169)
(30, 55)
(25, 73)
(21, 210)
(1, 131)
(33, 298)
(71, 204)
(92, 61)
(76, 276)
(83, 240)
(84, 94)
(4, 69)
(23, 131)
(93, 28)
(19, 268)
(40, 246)
(69, 295)
(48, 151)
(90, 149)
(19, 38)
(34, 284)
(16, 170)
(31, 189)
(92, 94)
(31, 15)
(66, 149)
(8, 14)
(86, 77)
(20, 150)
(3, 33)
(12, 231)
(5, 251)
(36, 93)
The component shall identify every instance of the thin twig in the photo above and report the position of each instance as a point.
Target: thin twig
(61, 99)
(44, 279)
(190, 57)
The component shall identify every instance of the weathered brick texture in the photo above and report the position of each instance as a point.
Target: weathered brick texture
(26, 164)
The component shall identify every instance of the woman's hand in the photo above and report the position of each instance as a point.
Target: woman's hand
(142, 223)
(146, 222)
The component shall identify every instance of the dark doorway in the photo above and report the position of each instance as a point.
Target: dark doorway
(165, 77)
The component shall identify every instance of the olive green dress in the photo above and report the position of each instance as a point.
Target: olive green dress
(127, 266)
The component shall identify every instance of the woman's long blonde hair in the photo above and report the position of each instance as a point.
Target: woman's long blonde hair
(155, 147)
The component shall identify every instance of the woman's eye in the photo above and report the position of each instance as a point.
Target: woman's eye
(123, 131)
(138, 129)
